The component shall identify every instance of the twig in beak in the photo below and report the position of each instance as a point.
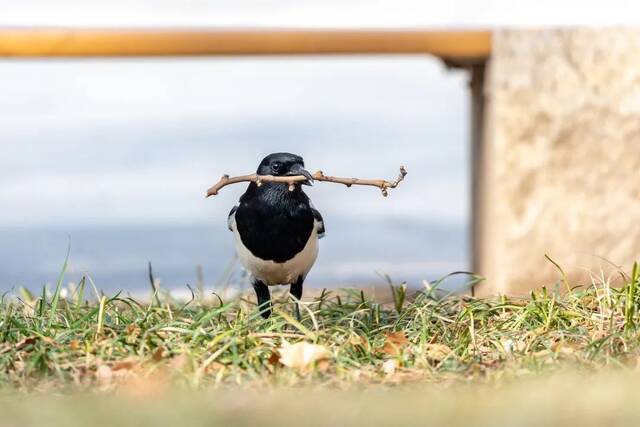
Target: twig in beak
(383, 185)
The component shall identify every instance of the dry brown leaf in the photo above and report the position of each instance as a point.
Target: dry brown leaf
(394, 343)
(124, 365)
(158, 354)
(323, 365)
(399, 338)
(302, 355)
(359, 341)
(217, 365)
(74, 344)
(274, 358)
(133, 331)
(25, 342)
(214, 367)
(437, 352)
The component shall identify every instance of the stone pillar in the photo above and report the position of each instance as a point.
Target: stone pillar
(477, 73)
(560, 158)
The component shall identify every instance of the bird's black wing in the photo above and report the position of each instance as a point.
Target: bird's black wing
(231, 218)
(319, 222)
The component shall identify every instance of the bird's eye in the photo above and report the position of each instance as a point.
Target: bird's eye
(276, 167)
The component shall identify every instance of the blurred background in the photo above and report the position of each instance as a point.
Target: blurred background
(118, 154)
(114, 155)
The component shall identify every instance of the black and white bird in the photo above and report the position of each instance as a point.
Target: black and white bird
(277, 230)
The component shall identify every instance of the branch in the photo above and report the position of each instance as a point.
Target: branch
(380, 183)
(318, 176)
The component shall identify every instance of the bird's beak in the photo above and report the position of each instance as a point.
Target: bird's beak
(299, 170)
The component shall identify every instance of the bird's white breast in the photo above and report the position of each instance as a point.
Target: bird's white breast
(275, 273)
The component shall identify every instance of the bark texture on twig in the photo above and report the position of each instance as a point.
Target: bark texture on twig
(382, 184)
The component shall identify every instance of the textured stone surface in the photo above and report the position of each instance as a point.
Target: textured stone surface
(562, 147)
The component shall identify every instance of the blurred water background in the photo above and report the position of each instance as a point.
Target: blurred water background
(117, 154)
(359, 253)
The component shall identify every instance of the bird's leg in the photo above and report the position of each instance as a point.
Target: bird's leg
(263, 296)
(296, 292)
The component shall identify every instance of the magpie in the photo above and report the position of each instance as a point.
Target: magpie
(276, 230)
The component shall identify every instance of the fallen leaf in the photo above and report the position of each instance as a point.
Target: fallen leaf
(214, 367)
(389, 367)
(323, 365)
(104, 375)
(399, 338)
(74, 344)
(394, 343)
(124, 364)
(437, 352)
(158, 354)
(25, 342)
(133, 331)
(274, 358)
(359, 341)
(302, 355)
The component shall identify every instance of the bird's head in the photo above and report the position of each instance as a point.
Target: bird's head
(284, 164)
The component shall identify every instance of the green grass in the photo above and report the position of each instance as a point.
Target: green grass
(55, 343)
(550, 358)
